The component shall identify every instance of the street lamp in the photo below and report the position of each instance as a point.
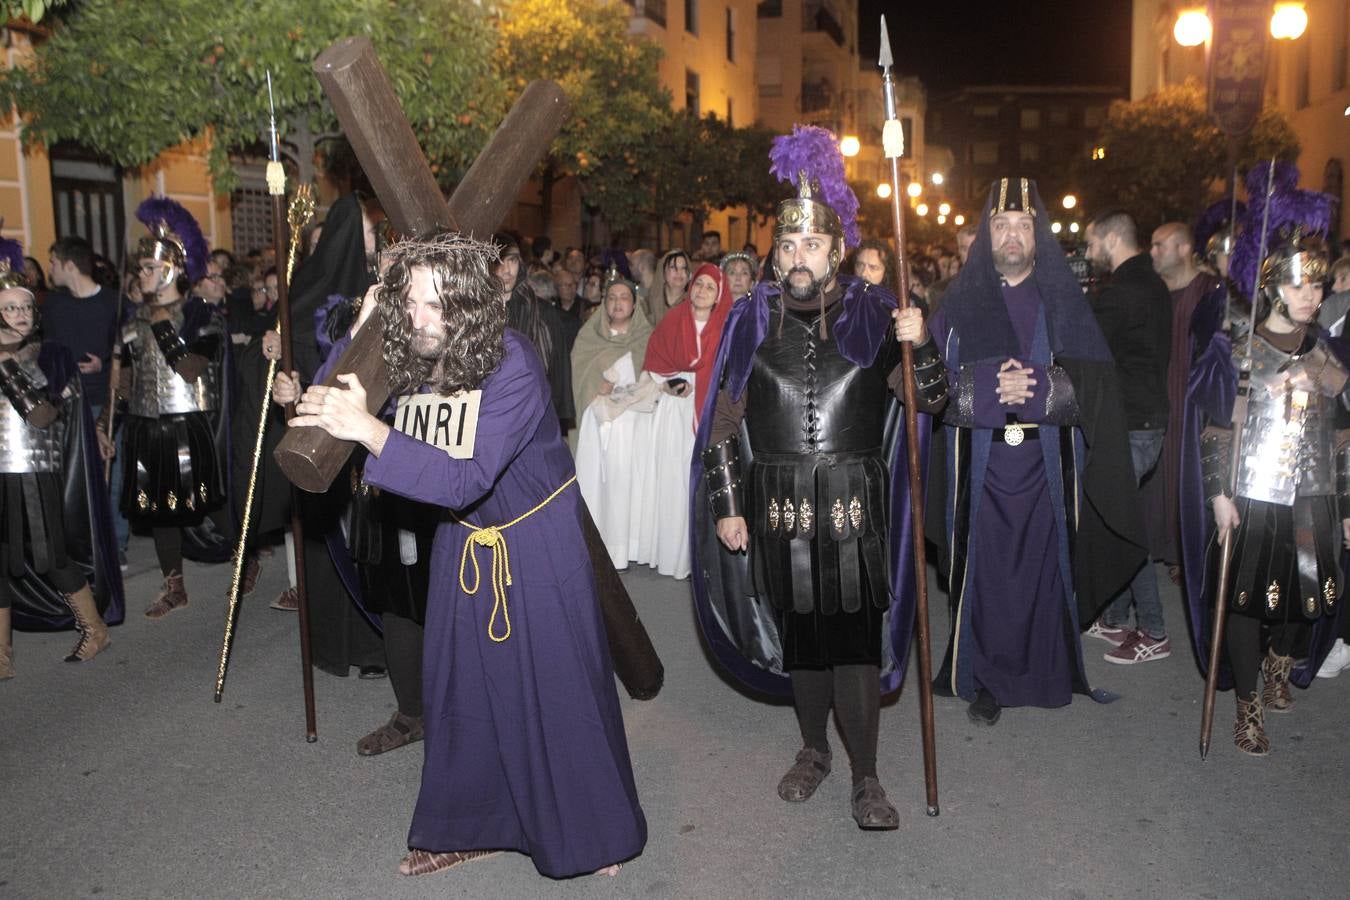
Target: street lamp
(1289, 21)
(849, 145)
(937, 179)
(944, 209)
(1192, 28)
(884, 190)
(959, 220)
(1069, 201)
(942, 220)
(1073, 227)
(914, 189)
(1056, 228)
(922, 209)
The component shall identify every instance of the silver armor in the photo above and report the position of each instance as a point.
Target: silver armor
(23, 448)
(157, 389)
(1288, 437)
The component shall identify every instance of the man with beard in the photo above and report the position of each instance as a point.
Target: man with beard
(175, 384)
(1173, 253)
(1040, 496)
(1134, 311)
(807, 369)
(525, 741)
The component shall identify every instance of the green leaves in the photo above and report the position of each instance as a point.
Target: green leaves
(1164, 156)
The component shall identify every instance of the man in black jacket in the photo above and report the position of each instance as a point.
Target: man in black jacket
(1135, 314)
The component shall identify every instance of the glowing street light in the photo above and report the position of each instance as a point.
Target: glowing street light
(945, 209)
(849, 145)
(1069, 201)
(942, 220)
(1289, 21)
(959, 220)
(937, 178)
(922, 209)
(1056, 228)
(1192, 28)
(884, 190)
(914, 189)
(1073, 227)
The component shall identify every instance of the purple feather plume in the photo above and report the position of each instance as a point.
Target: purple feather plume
(814, 150)
(1213, 219)
(1290, 208)
(154, 210)
(11, 251)
(615, 257)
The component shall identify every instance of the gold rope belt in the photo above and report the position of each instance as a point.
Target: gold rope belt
(494, 536)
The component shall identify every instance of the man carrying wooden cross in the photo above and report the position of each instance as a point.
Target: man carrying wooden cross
(525, 740)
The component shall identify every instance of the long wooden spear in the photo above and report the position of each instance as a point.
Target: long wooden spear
(1226, 540)
(893, 143)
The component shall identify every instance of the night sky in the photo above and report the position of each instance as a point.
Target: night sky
(953, 43)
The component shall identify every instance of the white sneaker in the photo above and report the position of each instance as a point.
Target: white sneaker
(1337, 659)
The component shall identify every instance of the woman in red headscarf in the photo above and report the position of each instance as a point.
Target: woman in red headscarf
(680, 357)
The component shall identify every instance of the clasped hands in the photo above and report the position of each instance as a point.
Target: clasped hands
(1015, 383)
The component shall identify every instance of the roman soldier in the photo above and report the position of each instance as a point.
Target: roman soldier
(1267, 459)
(56, 534)
(174, 380)
(796, 463)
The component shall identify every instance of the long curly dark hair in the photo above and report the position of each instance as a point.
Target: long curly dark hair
(473, 314)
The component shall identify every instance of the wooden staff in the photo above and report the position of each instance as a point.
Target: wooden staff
(894, 146)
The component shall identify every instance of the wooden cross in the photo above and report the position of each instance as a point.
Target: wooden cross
(370, 116)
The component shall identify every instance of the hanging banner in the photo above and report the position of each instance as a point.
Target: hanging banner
(1237, 63)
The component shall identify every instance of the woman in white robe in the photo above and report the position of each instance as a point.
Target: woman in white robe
(679, 361)
(616, 400)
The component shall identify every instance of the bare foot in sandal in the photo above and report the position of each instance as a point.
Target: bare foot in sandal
(610, 871)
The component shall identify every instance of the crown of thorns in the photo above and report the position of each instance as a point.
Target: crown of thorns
(450, 248)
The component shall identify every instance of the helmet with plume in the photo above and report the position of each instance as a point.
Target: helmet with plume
(174, 238)
(810, 160)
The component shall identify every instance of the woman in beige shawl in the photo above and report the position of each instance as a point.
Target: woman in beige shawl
(614, 413)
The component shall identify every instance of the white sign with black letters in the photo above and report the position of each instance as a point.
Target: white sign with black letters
(450, 423)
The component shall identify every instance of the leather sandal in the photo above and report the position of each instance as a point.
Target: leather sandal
(871, 810)
(424, 862)
(399, 731)
(805, 776)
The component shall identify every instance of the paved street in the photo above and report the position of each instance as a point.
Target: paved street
(122, 779)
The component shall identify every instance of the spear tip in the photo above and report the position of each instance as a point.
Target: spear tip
(886, 60)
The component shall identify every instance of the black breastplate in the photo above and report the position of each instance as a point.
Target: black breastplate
(804, 397)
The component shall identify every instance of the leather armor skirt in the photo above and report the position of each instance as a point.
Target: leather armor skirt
(819, 553)
(1286, 559)
(32, 535)
(171, 473)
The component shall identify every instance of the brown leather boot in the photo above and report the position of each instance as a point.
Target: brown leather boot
(1249, 728)
(172, 595)
(93, 631)
(1275, 695)
(6, 651)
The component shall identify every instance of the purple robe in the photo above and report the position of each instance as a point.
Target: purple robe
(525, 747)
(1014, 630)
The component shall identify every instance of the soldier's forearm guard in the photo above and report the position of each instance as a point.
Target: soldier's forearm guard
(1215, 463)
(722, 466)
(930, 375)
(23, 395)
(171, 345)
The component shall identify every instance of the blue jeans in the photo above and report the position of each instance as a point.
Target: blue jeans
(1145, 448)
(120, 526)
